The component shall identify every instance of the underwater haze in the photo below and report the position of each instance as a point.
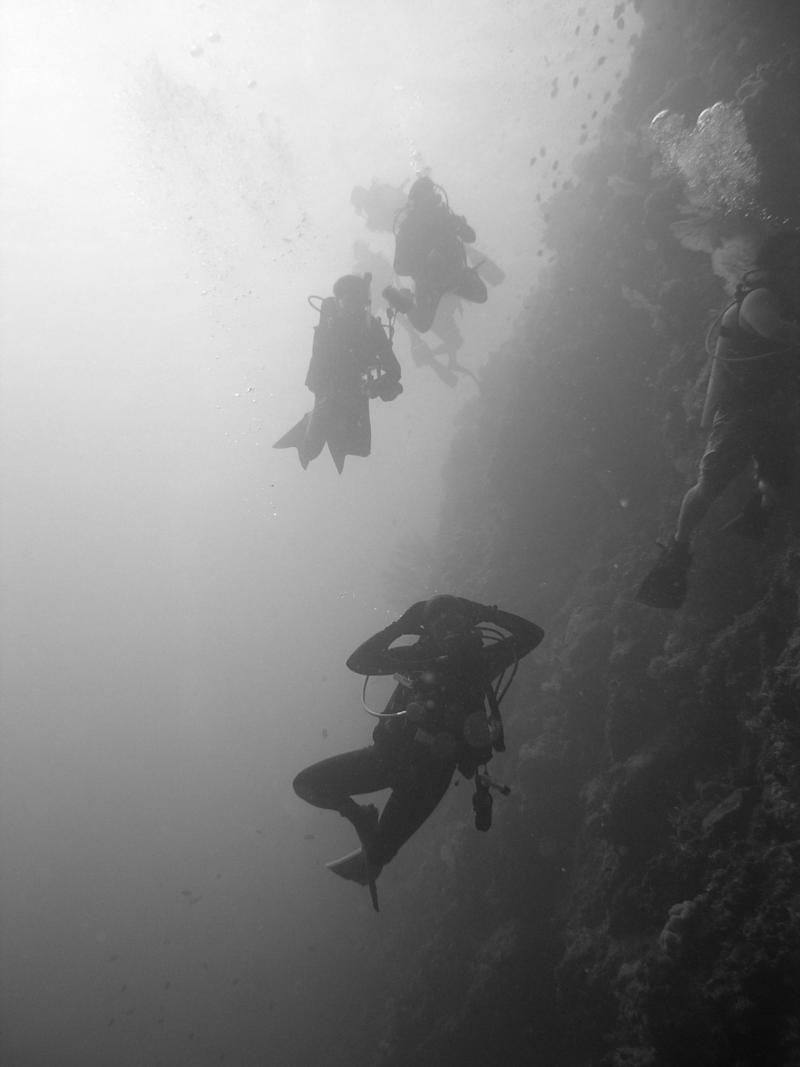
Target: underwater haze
(178, 598)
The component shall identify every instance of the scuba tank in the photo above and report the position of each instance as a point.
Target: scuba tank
(346, 333)
(735, 347)
(716, 377)
(716, 374)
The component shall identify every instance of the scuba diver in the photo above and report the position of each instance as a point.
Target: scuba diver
(443, 715)
(352, 361)
(379, 204)
(748, 411)
(430, 249)
(445, 328)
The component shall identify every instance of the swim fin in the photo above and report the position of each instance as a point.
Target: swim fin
(296, 438)
(355, 867)
(666, 584)
(365, 820)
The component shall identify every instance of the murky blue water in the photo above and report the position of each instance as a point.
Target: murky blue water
(179, 598)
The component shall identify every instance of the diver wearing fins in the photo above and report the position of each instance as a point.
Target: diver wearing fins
(352, 361)
(443, 715)
(379, 204)
(430, 250)
(748, 411)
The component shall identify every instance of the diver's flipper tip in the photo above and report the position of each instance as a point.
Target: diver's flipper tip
(373, 892)
(654, 595)
(355, 867)
(295, 437)
(666, 584)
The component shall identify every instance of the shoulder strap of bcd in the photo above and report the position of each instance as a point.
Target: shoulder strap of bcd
(496, 719)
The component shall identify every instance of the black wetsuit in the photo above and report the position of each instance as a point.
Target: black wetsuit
(416, 755)
(430, 249)
(345, 350)
(756, 387)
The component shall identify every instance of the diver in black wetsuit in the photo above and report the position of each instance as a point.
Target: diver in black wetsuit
(430, 249)
(436, 721)
(753, 385)
(352, 361)
(379, 204)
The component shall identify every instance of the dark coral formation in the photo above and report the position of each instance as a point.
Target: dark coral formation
(641, 903)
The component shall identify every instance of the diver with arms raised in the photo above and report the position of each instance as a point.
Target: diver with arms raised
(442, 716)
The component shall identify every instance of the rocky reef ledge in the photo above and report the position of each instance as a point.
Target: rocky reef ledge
(638, 901)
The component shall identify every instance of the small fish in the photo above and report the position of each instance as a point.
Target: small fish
(308, 837)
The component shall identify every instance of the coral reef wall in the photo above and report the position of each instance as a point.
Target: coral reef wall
(642, 901)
